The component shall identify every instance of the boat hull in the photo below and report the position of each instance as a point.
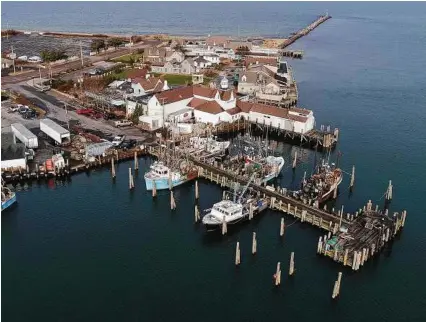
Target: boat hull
(6, 204)
(163, 183)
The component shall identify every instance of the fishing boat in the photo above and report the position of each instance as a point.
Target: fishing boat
(164, 177)
(8, 198)
(233, 211)
(209, 144)
(321, 185)
(270, 166)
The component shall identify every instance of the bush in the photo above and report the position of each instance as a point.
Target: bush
(53, 55)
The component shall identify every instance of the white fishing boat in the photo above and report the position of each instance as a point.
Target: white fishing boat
(233, 211)
(209, 144)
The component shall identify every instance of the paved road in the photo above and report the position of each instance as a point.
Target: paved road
(63, 68)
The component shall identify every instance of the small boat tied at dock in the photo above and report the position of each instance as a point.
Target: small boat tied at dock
(8, 197)
(209, 144)
(167, 177)
(321, 185)
(244, 206)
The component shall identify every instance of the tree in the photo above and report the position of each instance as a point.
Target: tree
(242, 50)
(97, 45)
(115, 42)
(53, 55)
(179, 47)
(135, 115)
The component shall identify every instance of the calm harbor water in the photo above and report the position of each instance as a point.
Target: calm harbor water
(90, 250)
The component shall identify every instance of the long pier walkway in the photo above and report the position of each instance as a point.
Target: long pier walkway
(303, 32)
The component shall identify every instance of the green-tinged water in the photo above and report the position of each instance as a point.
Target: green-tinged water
(90, 250)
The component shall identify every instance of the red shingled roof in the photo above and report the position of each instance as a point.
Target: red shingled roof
(196, 102)
(233, 111)
(175, 95)
(277, 112)
(204, 91)
(211, 107)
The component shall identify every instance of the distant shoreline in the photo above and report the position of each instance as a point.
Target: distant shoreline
(110, 35)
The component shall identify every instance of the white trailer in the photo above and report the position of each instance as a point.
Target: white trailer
(25, 136)
(55, 131)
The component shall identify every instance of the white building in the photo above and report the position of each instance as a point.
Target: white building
(12, 153)
(177, 56)
(294, 119)
(220, 105)
(148, 85)
(212, 58)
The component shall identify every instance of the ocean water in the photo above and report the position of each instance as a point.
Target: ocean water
(91, 250)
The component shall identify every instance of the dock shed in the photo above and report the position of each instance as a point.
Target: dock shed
(24, 135)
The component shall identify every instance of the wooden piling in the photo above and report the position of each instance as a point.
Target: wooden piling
(237, 254)
(154, 189)
(352, 177)
(112, 168)
(295, 160)
(196, 190)
(131, 183)
(224, 227)
(389, 191)
(336, 289)
(196, 214)
(250, 211)
(291, 269)
(282, 227)
(254, 244)
(319, 247)
(172, 201)
(136, 162)
(277, 275)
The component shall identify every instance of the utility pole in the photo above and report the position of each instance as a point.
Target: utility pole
(13, 56)
(81, 54)
(39, 72)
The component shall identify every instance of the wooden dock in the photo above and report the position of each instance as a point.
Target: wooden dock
(351, 239)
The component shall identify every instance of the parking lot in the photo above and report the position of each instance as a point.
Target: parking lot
(56, 111)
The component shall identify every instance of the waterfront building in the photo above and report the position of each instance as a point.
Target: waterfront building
(12, 153)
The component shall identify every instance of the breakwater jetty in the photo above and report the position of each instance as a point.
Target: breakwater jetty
(303, 32)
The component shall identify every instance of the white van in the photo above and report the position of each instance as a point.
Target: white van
(122, 123)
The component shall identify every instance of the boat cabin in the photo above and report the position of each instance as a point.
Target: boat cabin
(226, 208)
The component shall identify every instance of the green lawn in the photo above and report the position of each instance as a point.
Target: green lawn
(173, 79)
(126, 58)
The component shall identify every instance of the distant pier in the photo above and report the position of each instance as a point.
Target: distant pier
(303, 32)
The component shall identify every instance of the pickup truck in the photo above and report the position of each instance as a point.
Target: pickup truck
(122, 123)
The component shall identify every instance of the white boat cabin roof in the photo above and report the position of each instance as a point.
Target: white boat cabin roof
(227, 206)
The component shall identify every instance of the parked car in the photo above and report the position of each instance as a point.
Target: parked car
(15, 108)
(128, 144)
(121, 123)
(23, 109)
(118, 140)
(30, 114)
(84, 111)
